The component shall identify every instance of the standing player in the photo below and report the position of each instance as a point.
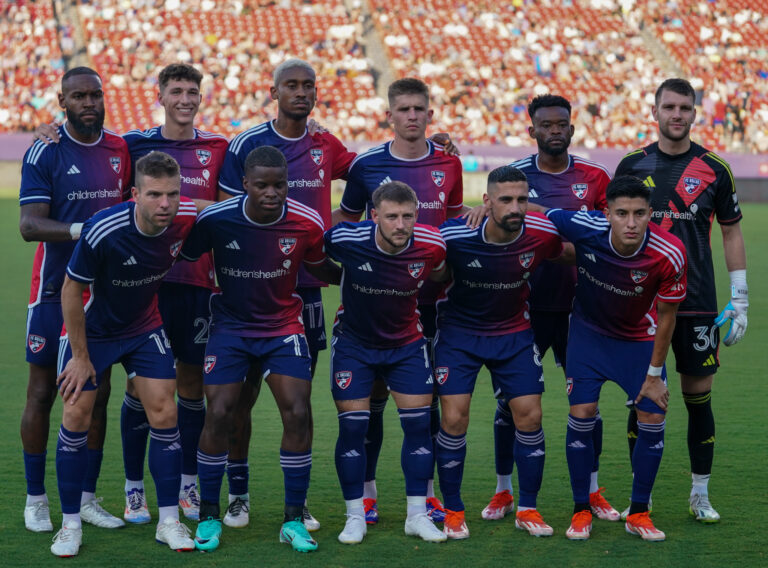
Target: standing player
(61, 187)
(631, 278)
(555, 179)
(484, 320)
(436, 178)
(689, 187)
(386, 262)
(125, 252)
(259, 240)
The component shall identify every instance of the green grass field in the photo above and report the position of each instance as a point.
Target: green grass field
(738, 486)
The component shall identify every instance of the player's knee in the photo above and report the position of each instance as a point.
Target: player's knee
(296, 416)
(588, 410)
(41, 391)
(455, 421)
(650, 417)
(76, 418)
(527, 418)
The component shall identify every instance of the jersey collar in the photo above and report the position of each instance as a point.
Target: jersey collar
(252, 222)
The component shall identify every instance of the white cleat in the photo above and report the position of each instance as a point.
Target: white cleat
(93, 513)
(37, 517)
(136, 510)
(310, 522)
(700, 507)
(67, 541)
(175, 534)
(354, 530)
(422, 526)
(237, 515)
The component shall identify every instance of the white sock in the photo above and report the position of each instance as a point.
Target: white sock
(355, 507)
(244, 497)
(417, 505)
(504, 483)
(168, 512)
(32, 499)
(593, 486)
(72, 521)
(369, 490)
(521, 509)
(700, 484)
(187, 480)
(430, 488)
(131, 485)
(85, 497)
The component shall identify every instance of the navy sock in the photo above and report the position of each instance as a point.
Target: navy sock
(504, 439)
(296, 467)
(597, 441)
(646, 459)
(579, 453)
(416, 456)
(375, 437)
(701, 431)
(451, 452)
(631, 431)
(529, 458)
(95, 458)
(238, 475)
(71, 462)
(210, 473)
(165, 464)
(34, 471)
(191, 421)
(134, 430)
(351, 452)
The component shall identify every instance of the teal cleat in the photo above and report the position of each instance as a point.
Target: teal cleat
(296, 534)
(208, 535)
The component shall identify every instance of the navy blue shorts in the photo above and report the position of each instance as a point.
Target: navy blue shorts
(550, 331)
(186, 314)
(594, 358)
(405, 369)
(146, 355)
(314, 319)
(228, 357)
(512, 359)
(44, 322)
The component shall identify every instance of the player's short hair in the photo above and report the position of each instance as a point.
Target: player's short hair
(265, 157)
(395, 191)
(548, 100)
(627, 186)
(676, 85)
(407, 86)
(79, 71)
(293, 63)
(506, 174)
(179, 72)
(156, 165)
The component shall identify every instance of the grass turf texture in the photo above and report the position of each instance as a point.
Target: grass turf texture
(737, 488)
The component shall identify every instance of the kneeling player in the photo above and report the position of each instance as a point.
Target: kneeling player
(484, 320)
(122, 256)
(386, 262)
(631, 278)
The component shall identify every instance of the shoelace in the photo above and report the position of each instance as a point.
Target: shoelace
(64, 535)
(39, 511)
(181, 530)
(135, 500)
(97, 508)
(499, 500)
(237, 506)
(582, 519)
(192, 495)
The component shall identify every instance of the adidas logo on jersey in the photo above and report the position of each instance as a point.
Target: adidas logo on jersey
(591, 257)
(233, 245)
(532, 193)
(73, 170)
(709, 362)
(365, 267)
(385, 180)
(130, 261)
(475, 264)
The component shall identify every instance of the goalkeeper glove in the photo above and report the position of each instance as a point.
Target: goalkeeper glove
(736, 310)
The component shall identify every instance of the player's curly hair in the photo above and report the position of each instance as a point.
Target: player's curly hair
(179, 72)
(395, 191)
(627, 186)
(156, 165)
(548, 100)
(265, 157)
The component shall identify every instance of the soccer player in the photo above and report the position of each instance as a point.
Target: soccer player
(435, 176)
(259, 241)
(631, 279)
(555, 179)
(484, 320)
(61, 187)
(118, 264)
(386, 262)
(689, 187)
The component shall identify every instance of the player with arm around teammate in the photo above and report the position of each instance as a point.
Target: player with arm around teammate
(631, 278)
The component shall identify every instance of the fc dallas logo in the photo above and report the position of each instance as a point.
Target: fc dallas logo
(441, 374)
(204, 156)
(438, 177)
(579, 190)
(317, 155)
(210, 363)
(568, 385)
(114, 161)
(638, 275)
(287, 244)
(343, 379)
(415, 269)
(527, 258)
(691, 184)
(175, 248)
(35, 342)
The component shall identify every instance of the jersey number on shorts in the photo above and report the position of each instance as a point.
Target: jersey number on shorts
(162, 341)
(202, 335)
(296, 340)
(706, 337)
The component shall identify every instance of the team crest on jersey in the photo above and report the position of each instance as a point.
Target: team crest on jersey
(691, 184)
(35, 343)
(438, 177)
(441, 374)
(209, 363)
(204, 156)
(579, 190)
(568, 385)
(175, 248)
(317, 155)
(527, 258)
(415, 269)
(343, 379)
(638, 275)
(114, 161)
(287, 244)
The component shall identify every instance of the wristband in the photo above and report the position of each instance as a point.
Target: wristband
(74, 230)
(738, 283)
(654, 371)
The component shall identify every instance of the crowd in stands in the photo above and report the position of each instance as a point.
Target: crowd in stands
(483, 62)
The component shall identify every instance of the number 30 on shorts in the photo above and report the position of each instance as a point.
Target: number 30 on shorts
(706, 337)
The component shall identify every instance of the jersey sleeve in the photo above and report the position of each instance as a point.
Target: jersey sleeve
(355, 195)
(675, 280)
(456, 196)
(36, 181)
(199, 240)
(727, 208)
(84, 262)
(231, 173)
(331, 248)
(599, 202)
(625, 165)
(315, 253)
(342, 158)
(575, 226)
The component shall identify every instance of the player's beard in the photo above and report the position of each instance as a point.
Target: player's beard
(669, 136)
(511, 223)
(302, 115)
(554, 151)
(83, 129)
